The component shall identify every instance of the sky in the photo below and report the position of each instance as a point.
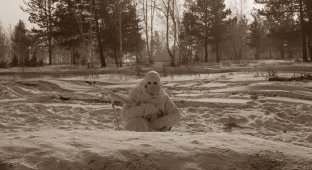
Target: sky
(10, 11)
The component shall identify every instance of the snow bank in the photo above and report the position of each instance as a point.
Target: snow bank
(84, 149)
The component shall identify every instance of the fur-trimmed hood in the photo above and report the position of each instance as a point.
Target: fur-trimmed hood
(139, 94)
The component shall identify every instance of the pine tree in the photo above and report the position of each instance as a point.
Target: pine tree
(21, 42)
(208, 25)
(256, 34)
(218, 14)
(41, 13)
(188, 33)
(109, 14)
(308, 5)
(14, 62)
(70, 25)
(282, 25)
(95, 13)
(2, 44)
(283, 12)
(33, 61)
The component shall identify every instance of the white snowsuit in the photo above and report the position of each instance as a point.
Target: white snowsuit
(142, 104)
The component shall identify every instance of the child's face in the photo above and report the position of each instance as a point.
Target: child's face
(152, 87)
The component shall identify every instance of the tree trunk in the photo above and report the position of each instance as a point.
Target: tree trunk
(167, 36)
(116, 58)
(304, 43)
(50, 48)
(236, 48)
(290, 53)
(206, 50)
(145, 5)
(98, 35)
(206, 32)
(50, 31)
(270, 49)
(120, 33)
(136, 39)
(72, 56)
(310, 48)
(174, 27)
(120, 60)
(137, 58)
(152, 31)
(257, 54)
(282, 53)
(217, 53)
(240, 53)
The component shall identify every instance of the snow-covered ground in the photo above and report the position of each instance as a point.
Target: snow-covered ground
(230, 121)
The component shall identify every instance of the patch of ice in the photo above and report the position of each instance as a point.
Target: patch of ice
(188, 95)
(216, 100)
(73, 105)
(69, 86)
(119, 86)
(285, 99)
(12, 100)
(185, 77)
(186, 84)
(230, 89)
(29, 90)
(213, 84)
(244, 77)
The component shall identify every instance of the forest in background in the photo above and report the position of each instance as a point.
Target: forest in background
(101, 33)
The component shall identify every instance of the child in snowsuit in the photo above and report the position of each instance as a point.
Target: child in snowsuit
(149, 108)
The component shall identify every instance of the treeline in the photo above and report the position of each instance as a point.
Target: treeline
(111, 27)
(16, 49)
(95, 31)
(281, 25)
(287, 21)
(96, 28)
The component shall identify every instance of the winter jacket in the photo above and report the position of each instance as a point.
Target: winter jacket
(142, 105)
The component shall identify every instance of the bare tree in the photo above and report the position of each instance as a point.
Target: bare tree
(49, 28)
(145, 20)
(169, 11)
(239, 29)
(153, 7)
(167, 7)
(137, 40)
(120, 31)
(239, 8)
(98, 34)
(2, 44)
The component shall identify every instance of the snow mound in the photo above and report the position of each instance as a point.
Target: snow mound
(57, 149)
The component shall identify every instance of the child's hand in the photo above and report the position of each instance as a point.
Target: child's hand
(164, 129)
(151, 117)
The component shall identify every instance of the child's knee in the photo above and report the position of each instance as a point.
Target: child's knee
(137, 124)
